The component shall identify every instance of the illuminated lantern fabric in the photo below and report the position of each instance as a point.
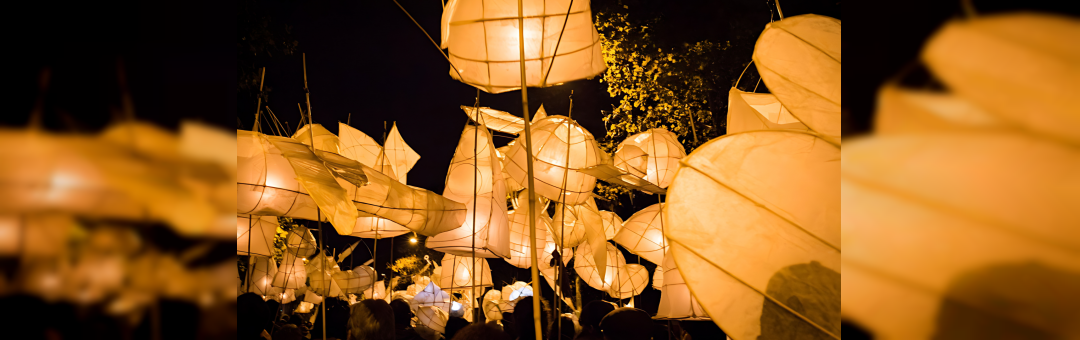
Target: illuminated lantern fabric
(658, 277)
(643, 234)
(748, 111)
(475, 160)
(676, 300)
(304, 307)
(431, 296)
(482, 38)
(581, 223)
(312, 297)
(491, 305)
(799, 60)
(420, 210)
(255, 233)
(630, 281)
(291, 274)
(903, 110)
(263, 270)
(551, 152)
(753, 220)
(612, 224)
(986, 225)
(632, 159)
(585, 266)
(324, 139)
(371, 226)
(662, 152)
(320, 271)
(457, 273)
(354, 281)
(516, 291)
(501, 121)
(301, 242)
(376, 292)
(360, 147)
(433, 317)
(520, 243)
(402, 158)
(567, 222)
(995, 63)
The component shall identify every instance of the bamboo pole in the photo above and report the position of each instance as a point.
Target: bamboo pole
(529, 166)
(258, 106)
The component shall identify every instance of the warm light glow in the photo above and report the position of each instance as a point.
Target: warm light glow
(455, 306)
(412, 240)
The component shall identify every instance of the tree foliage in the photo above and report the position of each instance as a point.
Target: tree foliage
(258, 36)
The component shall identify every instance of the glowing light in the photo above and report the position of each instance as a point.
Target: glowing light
(455, 306)
(412, 240)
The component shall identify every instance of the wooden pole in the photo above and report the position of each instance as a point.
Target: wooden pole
(318, 211)
(258, 106)
(529, 166)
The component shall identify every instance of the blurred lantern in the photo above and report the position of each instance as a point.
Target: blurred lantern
(312, 297)
(402, 158)
(492, 300)
(431, 295)
(631, 281)
(360, 147)
(516, 291)
(304, 307)
(555, 159)
(643, 234)
(475, 167)
(36, 235)
(263, 270)
(1020, 67)
(457, 273)
(904, 110)
(676, 301)
(301, 242)
(660, 152)
(433, 318)
(585, 266)
(658, 277)
(748, 218)
(482, 38)
(376, 292)
(355, 281)
(324, 139)
(612, 224)
(255, 235)
(520, 242)
(963, 235)
(749, 111)
(291, 274)
(799, 60)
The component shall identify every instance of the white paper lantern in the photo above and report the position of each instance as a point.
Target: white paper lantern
(301, 242)
(263, 270)
(751, 208)
(585, 266)
(360, 147)
(566, 221)
(491, 305)
(483, 42)
(402, 158)
(906, 110)
(375, 227)
(661, 154)
(354, 281)
(612, 224)
(431, 295)
(376, 292)
(457, 273)
(799, 60)
(475, 167)
(304, 307)
(556, 157)
(324, 139)
(291, 274)
(643, 234)
(676, 300)
(658, 277)
(631, 280)
(632, 159)
(520, 242)
(758, 111)
(432, 317)
(255, 235)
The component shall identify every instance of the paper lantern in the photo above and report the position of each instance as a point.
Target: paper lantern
(676, 300)
(799, 60)
(475, 167)
(354, 281)
(376, 292)
(312, 297)
(662, 152)
(556, 157)
(612, 224)
(263, 270)
(516, 291)
(360, 147)
(482, 38)
(291, 274)
(960, 235)
(520, 242)
(658, 277)
(748, 111)
(567, 222)
(371, 226)
(902, 110)
(431, 296)
(255, 236)
(402, 157)
(457, 273)
(501, 121)
(433, 318)
(491, 305)
(585, 266)
(747, 214)
(632, 159)
(993, 62)
(581, 224)
(301, 242)
(643, 234)
(304, 307)
(324, 140)
(630, 281)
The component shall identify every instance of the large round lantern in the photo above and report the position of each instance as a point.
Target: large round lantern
(585, 266)
(643, 234)
(291, 274)
(301, 242)
(799, 60)
(659, 157)
(520, 243)
(457, 273)
(555, 157)
(482, 38)
(631, 281)
(431, 296)
(753, 220)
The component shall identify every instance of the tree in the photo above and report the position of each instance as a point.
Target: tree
(258, 36)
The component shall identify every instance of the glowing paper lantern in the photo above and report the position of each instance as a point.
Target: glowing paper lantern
(556, 157)
(748, 111)
(585, 266)
(360, 147)
(643, 234)
(304, 307)
(354, 281)
(475, 166)
(312, 297)
(986, 227)
(292, 273)
(631, 281)
(994, 62)
(676, 301)
(431, 296)
(377, 291)
(581, 223)
(432, 317)
(520, 243)
(658, 277)
(301, 242)
(516, 291)
(753, 220)
(501, 121)
(457, 273)
(612, 224)
(567, 222)
(482, 38)
(371, 226)
(799, 60)
(402, 157)
(324, 139)
(901, 110)
(255, 236)
(661, 154)
(263, 270)
(632, 159)
(491, 304)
